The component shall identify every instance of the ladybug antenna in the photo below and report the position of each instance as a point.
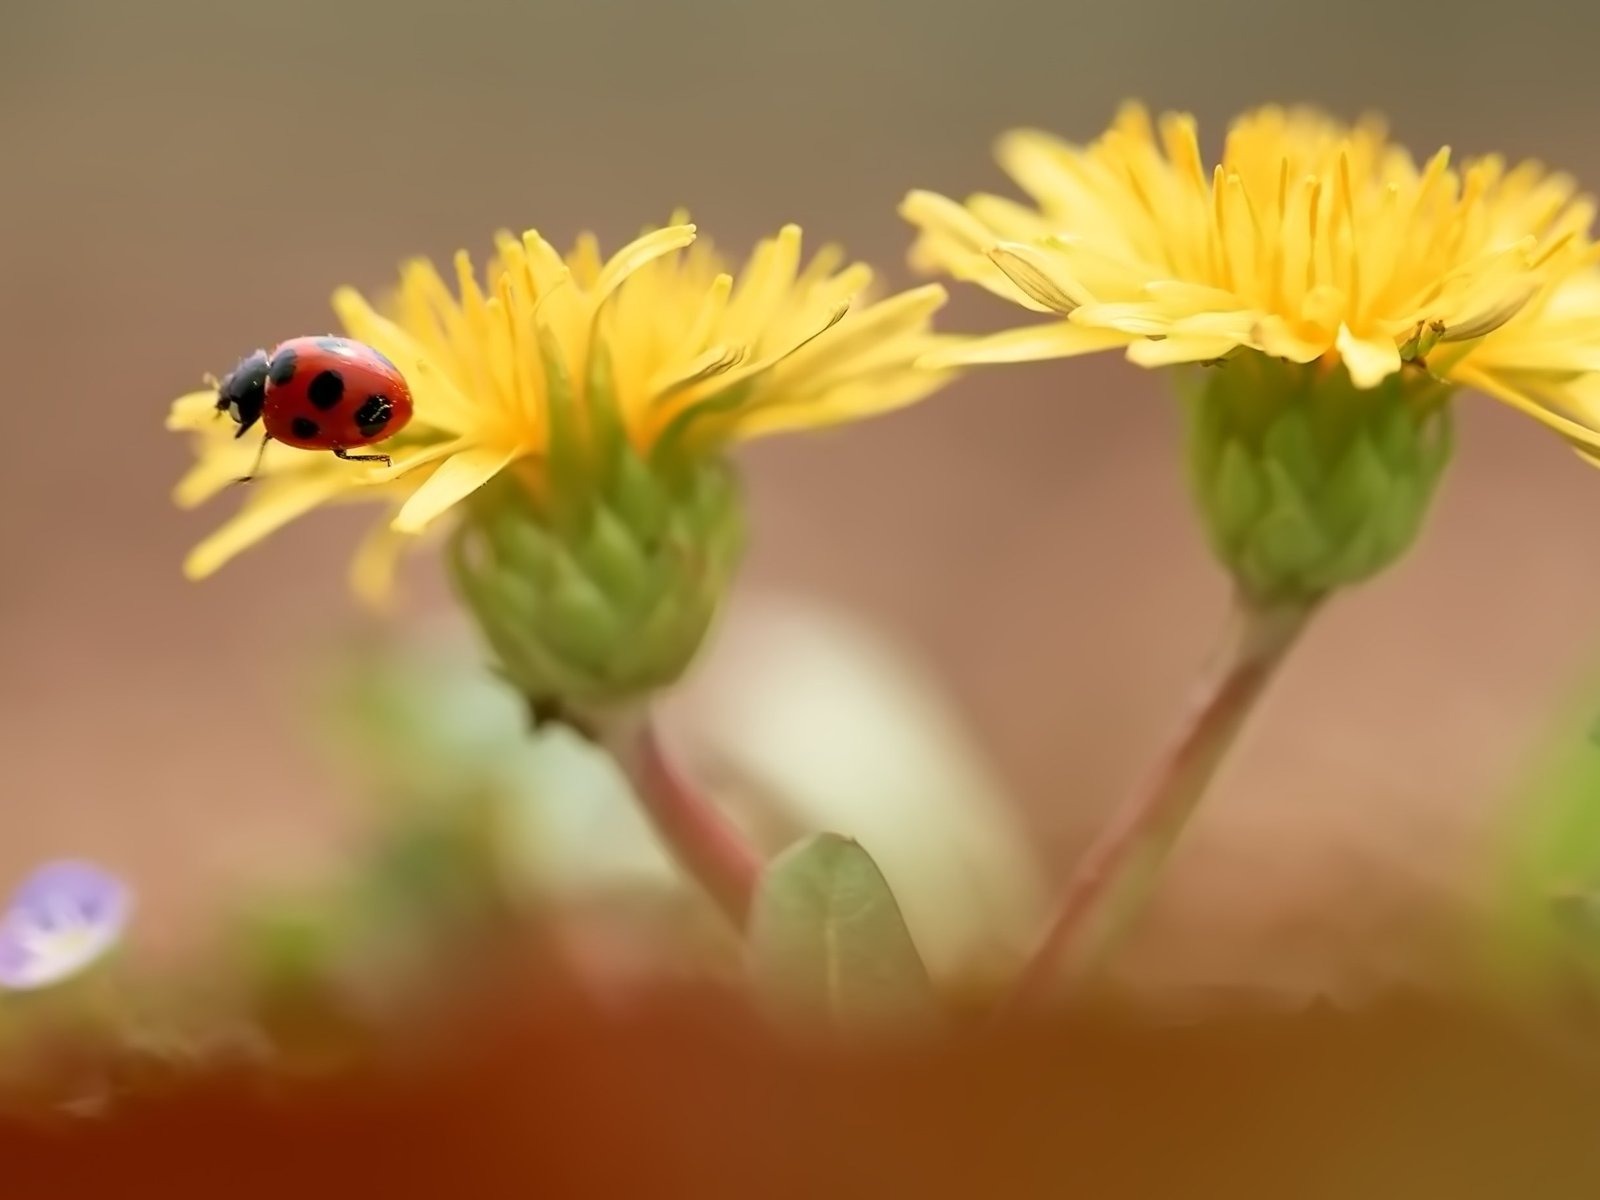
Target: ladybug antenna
(215, 384)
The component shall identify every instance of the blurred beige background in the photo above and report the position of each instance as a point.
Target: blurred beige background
(181, 180)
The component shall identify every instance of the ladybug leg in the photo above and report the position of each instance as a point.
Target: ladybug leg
(260, 454)
(341, 452)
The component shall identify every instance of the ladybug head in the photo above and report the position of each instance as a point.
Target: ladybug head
(242, 393)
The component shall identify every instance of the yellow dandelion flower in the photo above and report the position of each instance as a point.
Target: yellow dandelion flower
(1315, 251)
(594, 397)
(1309, 239)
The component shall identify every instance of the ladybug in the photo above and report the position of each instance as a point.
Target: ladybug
(318, 393)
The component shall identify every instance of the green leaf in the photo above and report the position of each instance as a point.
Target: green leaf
(828, 943)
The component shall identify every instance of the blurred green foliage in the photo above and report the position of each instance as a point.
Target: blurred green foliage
(1548, 909)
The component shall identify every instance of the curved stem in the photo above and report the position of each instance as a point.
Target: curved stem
(1118, 874)
(700, 836)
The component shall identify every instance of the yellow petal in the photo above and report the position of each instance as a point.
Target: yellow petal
(1061, 339)
(1274, 336)
(1324, 307)
(812, 326)
(1369, 360)
(708, 316)
(195, 412)
(718, 360)
(766, 282)
(1139, 320)
(1494, 313)
(1041, 163)
(1100, 272)
(845, 288)
(584, 260)
(1186, 299)
(1008, 221)
(376, 561)
(1235, 325)
(883, 325)
(403, 462)
(636, 254)
(716, 424)
(955, 241)
(865, 397)
(1170, 351)
(947, 220)
(275, 503)
(545, 264)
(1038, 274)
(215, 471)
(1500, 388)
(455, 479)
(824, 264)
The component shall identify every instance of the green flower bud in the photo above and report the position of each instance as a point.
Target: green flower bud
(1306, 483)
(599, 595)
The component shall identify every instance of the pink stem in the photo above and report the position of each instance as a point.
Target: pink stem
(1119, 872)
(701, 837)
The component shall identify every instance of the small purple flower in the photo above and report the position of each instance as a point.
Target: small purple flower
(61, 919)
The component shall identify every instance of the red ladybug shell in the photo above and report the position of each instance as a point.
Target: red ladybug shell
(329, 393)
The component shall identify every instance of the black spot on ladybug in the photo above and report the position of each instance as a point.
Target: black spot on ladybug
(305, 428)
(283, 367)
(374, 415)
(326, 390)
